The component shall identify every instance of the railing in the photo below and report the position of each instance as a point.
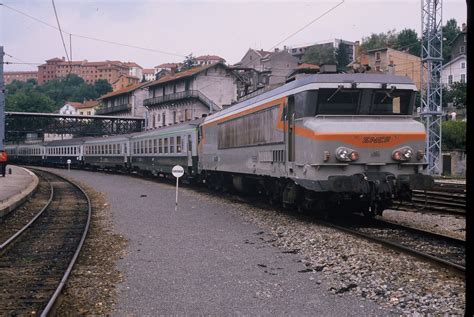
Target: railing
(117, 108)
(180, 96)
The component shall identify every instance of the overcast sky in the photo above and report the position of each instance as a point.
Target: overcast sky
(224, 28)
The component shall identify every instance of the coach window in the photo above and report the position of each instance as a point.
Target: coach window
(172, 144)
(150, 146)
(154, 146)
(165, 145)
(160, 147)
(142, 147)
(178, 144)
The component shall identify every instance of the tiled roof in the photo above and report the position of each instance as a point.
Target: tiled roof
(308, 66)
(208, 57)
(132, 64)
(186, 73)
(73, 103)
(88, 104)
(168, 65)
(121, 91)
(148, 71)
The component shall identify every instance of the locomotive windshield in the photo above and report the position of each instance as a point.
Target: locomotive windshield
(343, 101)
(386, 102)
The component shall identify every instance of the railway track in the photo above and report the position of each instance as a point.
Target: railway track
(37, 259)
(444, 251)
(447, 198)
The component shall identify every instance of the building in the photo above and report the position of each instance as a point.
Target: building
(351, 48)
(389, 60)
(135, 70)
(125, 102)
(89, 71)
(455, 71)
(277, 67)
(86, 108)
(149, 74)
(167, 66)
(20, 76)
(189, 95)
(260, 68)
(253, 59)
(124, 81)
(459, 44)
(208, 60)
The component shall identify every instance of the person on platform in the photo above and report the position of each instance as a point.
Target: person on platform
(3, 162)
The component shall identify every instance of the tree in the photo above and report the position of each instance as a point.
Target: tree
(450, 31)
(102, 87)
(407, 39)
(342, 57)
(381, 40)
(29, 102)
(319, 54)
(455, 94)
(453, 135)
(189, 62)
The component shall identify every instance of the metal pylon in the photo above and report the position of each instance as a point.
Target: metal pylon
(431, 89)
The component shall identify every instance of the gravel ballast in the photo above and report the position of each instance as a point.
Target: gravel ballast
(343, 265)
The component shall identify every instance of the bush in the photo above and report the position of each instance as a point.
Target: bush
(454, 135)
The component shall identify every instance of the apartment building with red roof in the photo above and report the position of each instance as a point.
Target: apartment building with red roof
(89, 71)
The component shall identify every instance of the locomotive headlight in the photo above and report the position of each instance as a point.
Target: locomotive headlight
(403, 154)
(346, 155)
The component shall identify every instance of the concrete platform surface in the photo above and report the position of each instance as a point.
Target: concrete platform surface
(204, 259)
(15, 188)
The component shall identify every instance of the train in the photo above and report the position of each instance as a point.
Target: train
(319, 143)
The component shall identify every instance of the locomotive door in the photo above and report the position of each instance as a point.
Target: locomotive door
(290, 137)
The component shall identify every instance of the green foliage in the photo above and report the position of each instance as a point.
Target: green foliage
(455, 94)
(450, 31)
(407, 39)
(53, 94)
(189, 62)
(319, 54)
(30, 101)
(342, 59)
(453, 135)
(380, 40)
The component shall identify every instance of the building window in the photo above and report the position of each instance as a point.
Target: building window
(463, 78)
(174, 117)
(186, 115)
(450, 79)
(377, 56)
(163, 117)
(463, 65)
(462, 49)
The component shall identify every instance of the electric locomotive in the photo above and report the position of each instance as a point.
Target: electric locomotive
(323, 141)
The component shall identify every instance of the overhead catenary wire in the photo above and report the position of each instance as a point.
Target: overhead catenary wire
(60, 31)
(307, 24)
(90, 37)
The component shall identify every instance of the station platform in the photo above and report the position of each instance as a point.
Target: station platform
(15, 188)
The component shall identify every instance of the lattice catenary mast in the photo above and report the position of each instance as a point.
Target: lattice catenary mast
(431, 90)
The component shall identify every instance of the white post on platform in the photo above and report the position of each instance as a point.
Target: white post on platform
(177, 172)
(68, 165)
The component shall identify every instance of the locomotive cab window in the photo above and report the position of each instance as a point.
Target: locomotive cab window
(390, 102)
(338, 101)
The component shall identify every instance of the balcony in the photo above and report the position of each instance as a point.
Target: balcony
(116, 108)
(156, 101)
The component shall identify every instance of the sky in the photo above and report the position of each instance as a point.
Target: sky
(170, 30)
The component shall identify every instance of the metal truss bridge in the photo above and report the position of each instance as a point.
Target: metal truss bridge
(19, 124)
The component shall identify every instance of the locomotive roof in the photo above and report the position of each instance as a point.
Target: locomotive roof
(319, 79)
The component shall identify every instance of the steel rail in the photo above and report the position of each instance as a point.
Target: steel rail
(7, 243)
(456, 268)
(65, 277)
